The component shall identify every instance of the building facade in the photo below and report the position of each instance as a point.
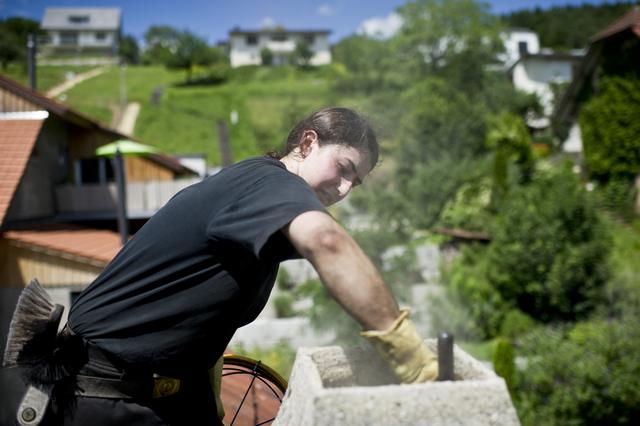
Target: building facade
(93, 30)
(246, 47)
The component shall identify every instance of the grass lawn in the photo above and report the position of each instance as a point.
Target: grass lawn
(46, 76)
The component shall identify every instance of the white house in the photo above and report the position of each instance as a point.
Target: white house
(245, 46)
(82, 29)
(535, 70)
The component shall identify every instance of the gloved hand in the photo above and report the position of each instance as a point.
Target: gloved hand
(405, 351)
(215, 378)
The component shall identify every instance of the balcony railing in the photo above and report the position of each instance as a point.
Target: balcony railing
(143, 198)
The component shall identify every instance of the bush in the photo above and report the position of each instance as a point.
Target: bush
(611, 130)
(504, 362)
(279, 357)
(325, 313)
(516, 323)
(583, 376)
(618, 196)
(474, 309)
(283, 304)
(548, 253)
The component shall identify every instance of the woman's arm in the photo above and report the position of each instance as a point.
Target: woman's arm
(346, 271)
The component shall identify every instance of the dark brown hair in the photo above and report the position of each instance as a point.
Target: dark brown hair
(335, 126)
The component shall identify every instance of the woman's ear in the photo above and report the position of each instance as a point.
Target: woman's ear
(306, 141)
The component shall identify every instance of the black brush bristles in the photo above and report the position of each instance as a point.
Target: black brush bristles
(31, 342)
(31, 319)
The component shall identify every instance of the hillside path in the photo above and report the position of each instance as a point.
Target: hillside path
(61, 88)
(128, 118)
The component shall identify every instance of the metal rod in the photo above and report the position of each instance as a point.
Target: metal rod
(225, 144)
(445, 356)
(123, 223)
(31, 60)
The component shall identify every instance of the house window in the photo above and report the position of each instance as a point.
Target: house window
(252, 40)
(523, 48)
(308, 38)
(68, 38)
(94, 170)
(101, 36)
(279, 37)
(79, 19)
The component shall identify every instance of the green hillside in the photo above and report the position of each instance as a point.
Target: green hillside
(268, 101)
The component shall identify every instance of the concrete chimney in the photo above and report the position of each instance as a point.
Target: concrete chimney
(353, 386)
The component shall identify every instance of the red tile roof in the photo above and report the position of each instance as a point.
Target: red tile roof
(95, 245)
(629, 21)
(73, 116)
(17, 138)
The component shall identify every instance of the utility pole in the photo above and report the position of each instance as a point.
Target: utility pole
(31, 60)
(121, 190)
(225, 145)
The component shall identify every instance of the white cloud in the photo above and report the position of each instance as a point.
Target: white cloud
(325, 10)
(381, 27)
(267, 22)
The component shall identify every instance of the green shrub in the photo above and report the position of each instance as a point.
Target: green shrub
(618, 196)
(504, 362)
(611, 130)
(584, 376)
(279, 357)
(475, 309)
(548, 253)
(283, 304)
(516, 323)
(284, 280)
(325, 313)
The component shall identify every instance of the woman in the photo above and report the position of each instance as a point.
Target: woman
(205, 265)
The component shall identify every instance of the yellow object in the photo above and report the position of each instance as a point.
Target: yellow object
(165, 386)
(405, 351)
(215, 377)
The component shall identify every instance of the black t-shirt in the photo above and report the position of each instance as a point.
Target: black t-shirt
(201, 267)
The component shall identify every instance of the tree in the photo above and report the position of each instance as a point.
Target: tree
(549, 247)
(448, 95)
(369, 64)
(266, 56)
(13, 38)
(436, 32)
(551, 23)
(584, 375)
(129, 51)
(190, 51)
(509, 138)
(161, 42)
(10, 50)
(611, 130)
(302, 53)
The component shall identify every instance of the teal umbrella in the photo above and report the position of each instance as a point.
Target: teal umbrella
(126, 147)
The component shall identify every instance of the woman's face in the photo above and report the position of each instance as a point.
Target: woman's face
(332, 170)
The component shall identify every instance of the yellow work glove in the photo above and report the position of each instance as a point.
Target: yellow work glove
(405, 351)
(215, 378)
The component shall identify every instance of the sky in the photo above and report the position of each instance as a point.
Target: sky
(213, 19)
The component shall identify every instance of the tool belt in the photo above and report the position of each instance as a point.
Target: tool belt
(103, 378)
(59, 366)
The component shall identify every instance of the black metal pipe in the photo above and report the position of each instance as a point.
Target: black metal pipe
(445, 356)
(121, 187)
